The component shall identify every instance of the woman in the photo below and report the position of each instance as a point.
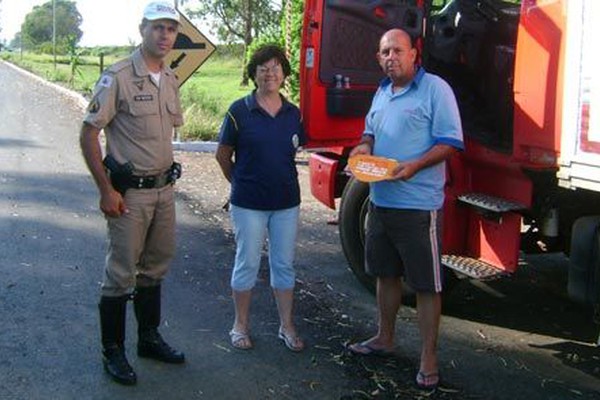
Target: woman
(257, 146)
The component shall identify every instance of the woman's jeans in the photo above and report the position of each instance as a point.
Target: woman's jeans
(250, 226)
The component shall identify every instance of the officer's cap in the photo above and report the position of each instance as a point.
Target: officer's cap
(160, 10)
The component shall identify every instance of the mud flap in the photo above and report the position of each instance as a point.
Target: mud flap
(323, 171)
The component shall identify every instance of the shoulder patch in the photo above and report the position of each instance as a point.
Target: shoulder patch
(93, 107)
(105, 81)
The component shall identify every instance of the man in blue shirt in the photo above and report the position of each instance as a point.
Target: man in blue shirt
(413, 119)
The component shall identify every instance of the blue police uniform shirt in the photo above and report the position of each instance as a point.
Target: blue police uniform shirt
(264, 175)
(407, 124)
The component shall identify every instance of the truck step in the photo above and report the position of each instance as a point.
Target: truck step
(490, 203)
(472, 267)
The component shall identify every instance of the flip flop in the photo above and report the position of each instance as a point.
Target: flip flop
(238, 339)
(365, 349)
(428, 381)
(294, 343)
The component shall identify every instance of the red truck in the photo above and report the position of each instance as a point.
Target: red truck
(527, 84)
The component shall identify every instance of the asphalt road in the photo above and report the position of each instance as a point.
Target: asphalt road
(518, 338)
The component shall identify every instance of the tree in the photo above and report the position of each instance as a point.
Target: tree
(289, 38)
(291, 30)
(240, 20)
(15, 43)
(37, 28)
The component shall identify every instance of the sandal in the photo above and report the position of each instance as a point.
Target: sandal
(240, 340)
(428, 381)
(367, 349)
(294, 343)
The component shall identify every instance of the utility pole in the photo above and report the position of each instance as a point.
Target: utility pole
(54, 31)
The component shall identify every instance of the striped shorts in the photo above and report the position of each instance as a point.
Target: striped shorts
(401, 242)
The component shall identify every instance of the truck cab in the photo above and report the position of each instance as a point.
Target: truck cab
(528, 179)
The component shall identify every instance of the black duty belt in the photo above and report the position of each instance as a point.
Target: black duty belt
(149, 182)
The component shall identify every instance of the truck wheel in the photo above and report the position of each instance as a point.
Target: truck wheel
(584, 265)
(352, 219)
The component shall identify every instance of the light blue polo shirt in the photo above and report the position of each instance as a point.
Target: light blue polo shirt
(264, 175)
(406, 125)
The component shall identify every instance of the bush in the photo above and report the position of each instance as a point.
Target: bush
(203, 114)
(114, 52)
(57, 75)
(229, 51)
(200, 123)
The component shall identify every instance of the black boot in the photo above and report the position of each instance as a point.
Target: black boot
(112, 326)
(150, 342)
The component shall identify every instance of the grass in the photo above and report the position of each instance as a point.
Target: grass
(43, 66)
(205, 96)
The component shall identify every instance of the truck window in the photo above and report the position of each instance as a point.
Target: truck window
(472, 45)
(340, 73)
(351, 32)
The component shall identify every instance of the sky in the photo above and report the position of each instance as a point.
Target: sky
(105, 22)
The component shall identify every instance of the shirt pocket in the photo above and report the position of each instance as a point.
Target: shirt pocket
(143, 108)
(175, 113)
(142, 119)
(416, 121)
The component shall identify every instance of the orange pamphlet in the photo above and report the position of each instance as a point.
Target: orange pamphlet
(368, 168)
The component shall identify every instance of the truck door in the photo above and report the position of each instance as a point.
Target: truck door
(339, 72)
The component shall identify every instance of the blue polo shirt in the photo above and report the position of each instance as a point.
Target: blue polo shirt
(406, 125)
(264, 175)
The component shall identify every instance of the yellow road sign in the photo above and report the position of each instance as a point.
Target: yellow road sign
(191, 49)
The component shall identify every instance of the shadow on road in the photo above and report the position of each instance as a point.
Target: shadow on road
(534, 300)
(585, 358)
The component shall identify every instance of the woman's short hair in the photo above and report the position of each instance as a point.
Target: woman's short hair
(265, 53)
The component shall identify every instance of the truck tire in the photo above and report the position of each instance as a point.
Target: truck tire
(584, 260)
(352, 218)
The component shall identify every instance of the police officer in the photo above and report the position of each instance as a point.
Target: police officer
(136, 104)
